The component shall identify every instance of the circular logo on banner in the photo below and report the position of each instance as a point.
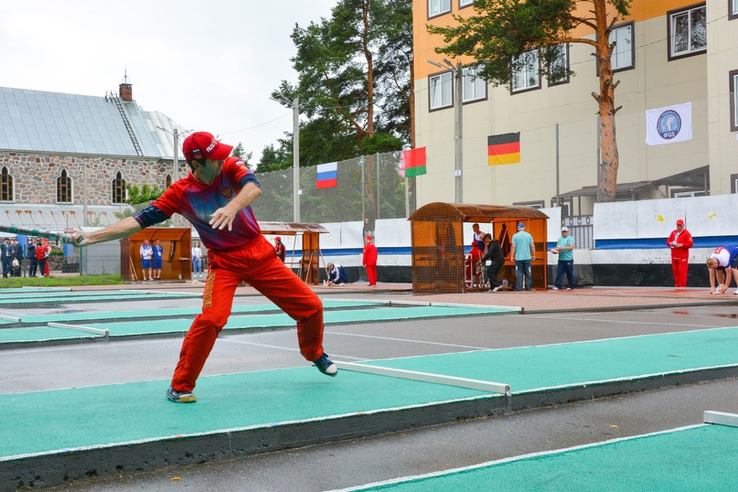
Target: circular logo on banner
(669, 124)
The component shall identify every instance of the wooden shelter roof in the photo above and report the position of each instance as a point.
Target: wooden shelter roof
(476, 213)
(290, 228)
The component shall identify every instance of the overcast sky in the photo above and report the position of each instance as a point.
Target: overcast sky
(207, 65)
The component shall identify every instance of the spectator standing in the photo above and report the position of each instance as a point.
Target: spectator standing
(47, 252)
(5, 257)
(523, 252)
(196, 259)
(494, 254)
(337, 275)
(723, 264)
(478, 237)
(157, 252)
(369, 260)
(146, 253)
(279, 249)
(16, 255)
(565, 249)
(41, 256)
(680, 240)
(32, 261)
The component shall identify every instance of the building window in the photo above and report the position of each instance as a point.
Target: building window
(438, 7)
(64, 188)
(688, 193)
(119, 189)
(168, 182)
(474, 87)
(525, 72)
(687, 31)
(440, 91)
(567, 204)
(6, 186)
(467, 3)
(734, 100)
(558, 68)
(623, 54)
(734, 183)
(532, 204)
(732, 9)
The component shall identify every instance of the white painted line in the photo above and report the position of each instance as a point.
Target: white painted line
(508, 460)
(708, 327)
(392, 339)
(721, 418)
(427, 377)
(289, 349)
(451, 304)
(88, 329)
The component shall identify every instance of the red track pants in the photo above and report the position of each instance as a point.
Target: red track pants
(371, 273)
(257, 264)
(680, 266)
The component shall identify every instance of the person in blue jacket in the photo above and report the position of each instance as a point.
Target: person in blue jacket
(336, 275)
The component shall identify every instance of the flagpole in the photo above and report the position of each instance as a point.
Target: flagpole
(296, 159)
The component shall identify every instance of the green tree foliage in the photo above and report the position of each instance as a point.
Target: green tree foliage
(144, 194)
(500, 31)
(354, 84)
(239, 152)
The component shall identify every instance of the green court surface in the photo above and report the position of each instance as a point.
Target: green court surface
(255, 321)
(26, 290)
(61, 420)
(67, 297)
(172, 312)
(695, 459)
(535, 368)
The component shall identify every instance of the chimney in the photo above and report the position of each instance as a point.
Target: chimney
(125, 89)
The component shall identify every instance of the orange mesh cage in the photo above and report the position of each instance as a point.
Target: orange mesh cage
(437, 241)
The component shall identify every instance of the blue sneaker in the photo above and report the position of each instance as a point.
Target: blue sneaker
(326, 366)
(180, 396)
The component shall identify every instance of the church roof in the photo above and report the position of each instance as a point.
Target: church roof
(39, 121)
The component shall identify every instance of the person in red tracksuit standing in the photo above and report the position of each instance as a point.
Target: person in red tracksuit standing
(370, 261)
(680, 240)
(216, 197)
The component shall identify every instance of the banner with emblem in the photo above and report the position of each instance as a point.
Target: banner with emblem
(669, 125)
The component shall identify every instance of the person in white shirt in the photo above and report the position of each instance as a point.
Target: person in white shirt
(146, 253)
(196, 260)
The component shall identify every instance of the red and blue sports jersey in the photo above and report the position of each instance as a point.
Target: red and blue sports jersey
(725, 256)
(196, 201)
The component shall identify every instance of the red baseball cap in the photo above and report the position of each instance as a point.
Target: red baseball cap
(369, 238)
(680, 222)
(277, 238)
(203, 145)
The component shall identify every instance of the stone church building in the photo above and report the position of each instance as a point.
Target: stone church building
(65, 159)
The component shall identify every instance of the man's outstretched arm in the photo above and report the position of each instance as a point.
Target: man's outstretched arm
(120, 229)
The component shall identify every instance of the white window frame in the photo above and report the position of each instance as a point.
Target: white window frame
(734, 183)
(467, 3)
(438, 7)
(732, 9)
(623, 55)
(563, 54)
(687, 14)
(474, 88)
(689, 194)
(442, 82)
(529, 78)
(734, 100)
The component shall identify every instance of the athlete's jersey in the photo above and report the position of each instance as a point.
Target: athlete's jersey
(197, 201)
(145, 252)
(724, 256)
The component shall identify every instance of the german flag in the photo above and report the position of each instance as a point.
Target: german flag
(503, 149)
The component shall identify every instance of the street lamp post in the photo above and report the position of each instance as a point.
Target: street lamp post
(458, 75)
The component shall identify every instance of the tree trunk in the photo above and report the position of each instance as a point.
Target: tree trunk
(606, 99)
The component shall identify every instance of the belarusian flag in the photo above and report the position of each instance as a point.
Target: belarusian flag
(503, 149)
(414, 162)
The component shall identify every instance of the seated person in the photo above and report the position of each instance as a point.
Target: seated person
(336, 275)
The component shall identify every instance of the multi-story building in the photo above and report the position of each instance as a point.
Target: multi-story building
(668, 52)
(64, 155)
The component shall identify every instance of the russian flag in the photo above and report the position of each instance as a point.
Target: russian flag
(327, 175)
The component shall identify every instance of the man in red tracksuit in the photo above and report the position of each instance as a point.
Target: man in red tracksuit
(216, 198)
(370, 261)
(680, 240)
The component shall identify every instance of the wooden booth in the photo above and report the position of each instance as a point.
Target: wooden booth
(437, 241)
(176, 254)
(307, 266)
